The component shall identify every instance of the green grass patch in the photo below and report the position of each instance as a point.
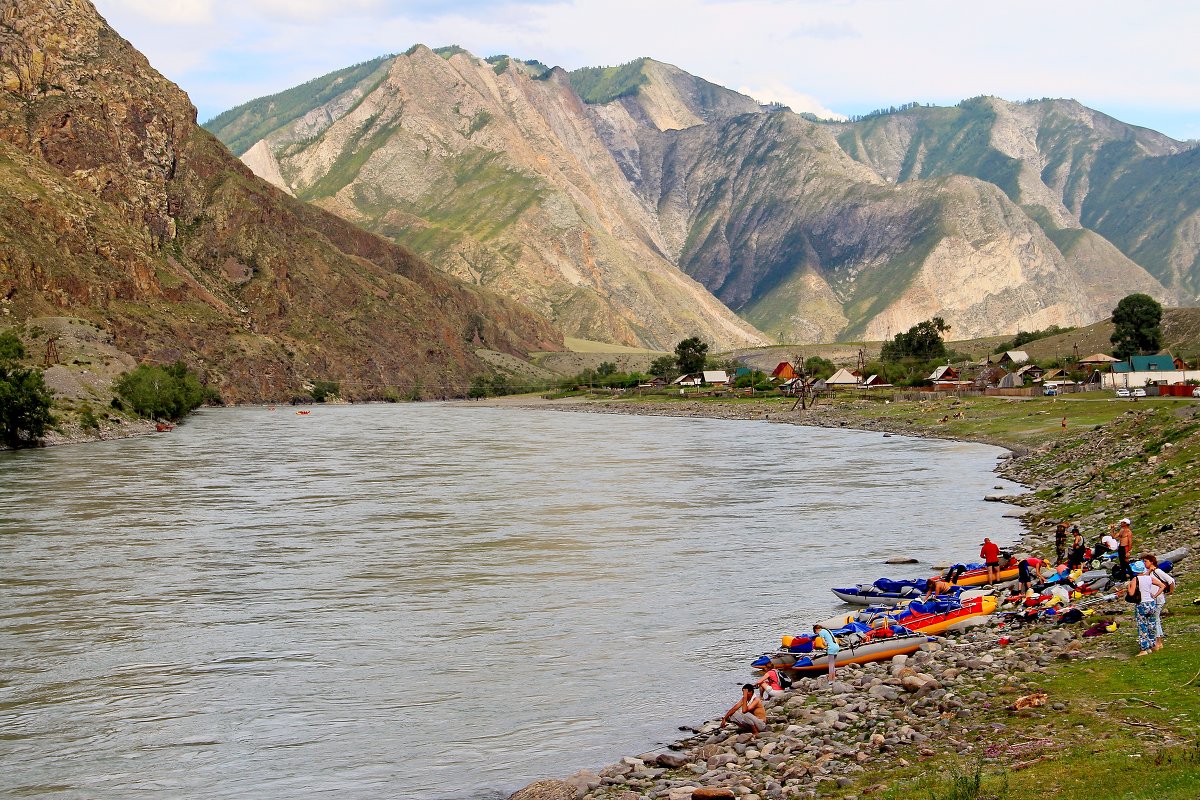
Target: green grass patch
(597, 85)
(240, 127)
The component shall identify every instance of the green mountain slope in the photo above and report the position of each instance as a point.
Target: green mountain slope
(1068, 166)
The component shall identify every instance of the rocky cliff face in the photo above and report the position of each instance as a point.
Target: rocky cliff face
(582, 193)
(1070, 168)
(496, 173)
(118, 208)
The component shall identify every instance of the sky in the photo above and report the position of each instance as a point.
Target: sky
(1138, 62)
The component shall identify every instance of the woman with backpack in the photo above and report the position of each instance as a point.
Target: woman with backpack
(1151, 562)
(1143, 590)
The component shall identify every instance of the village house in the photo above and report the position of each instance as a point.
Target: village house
(715, 377)
(1140, 371)
(1012, 357)
(843, 379)
(1031, 372)
(784, 371)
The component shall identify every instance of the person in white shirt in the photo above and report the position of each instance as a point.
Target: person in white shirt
(1144, 588)
(1151, 562)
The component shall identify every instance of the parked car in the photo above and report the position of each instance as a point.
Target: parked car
(1196, 392)
(1050, 391)
(1122, 393)
(1139, 392)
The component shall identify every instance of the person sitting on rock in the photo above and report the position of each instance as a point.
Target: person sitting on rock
(748, 714)
(771, 684)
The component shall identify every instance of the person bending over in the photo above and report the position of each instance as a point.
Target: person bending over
(936, 586)
(832, 648)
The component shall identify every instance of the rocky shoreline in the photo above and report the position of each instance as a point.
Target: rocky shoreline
(955, 699)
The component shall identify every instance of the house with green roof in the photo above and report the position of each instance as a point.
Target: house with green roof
(1163, 362)
(1139, 371)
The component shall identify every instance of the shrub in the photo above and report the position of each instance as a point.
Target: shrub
(167, 392)
(325, 389)
(24, 405)
(11, 348)
(87, 418)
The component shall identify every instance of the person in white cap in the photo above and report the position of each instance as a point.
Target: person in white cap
(1124, 546)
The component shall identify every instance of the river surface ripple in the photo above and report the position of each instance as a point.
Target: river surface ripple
(427, 601)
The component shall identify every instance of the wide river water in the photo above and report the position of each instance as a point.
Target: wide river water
(427, 601)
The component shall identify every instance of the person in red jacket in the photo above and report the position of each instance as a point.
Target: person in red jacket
(990, 553)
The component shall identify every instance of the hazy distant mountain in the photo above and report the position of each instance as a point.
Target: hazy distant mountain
(588, 194)
(118, 208)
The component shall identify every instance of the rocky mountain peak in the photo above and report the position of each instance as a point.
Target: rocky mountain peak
(115, 206)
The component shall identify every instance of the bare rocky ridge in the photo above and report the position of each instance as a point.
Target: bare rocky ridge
(501, 179)
(119, 209)
(993, 215)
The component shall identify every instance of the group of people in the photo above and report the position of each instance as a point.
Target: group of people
(1146, 585)
(1147, 588)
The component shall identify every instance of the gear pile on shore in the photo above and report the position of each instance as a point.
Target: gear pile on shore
(973, 695)
(953, 696)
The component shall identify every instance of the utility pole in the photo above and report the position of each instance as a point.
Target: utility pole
(51, 351)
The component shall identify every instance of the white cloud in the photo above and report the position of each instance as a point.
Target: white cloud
(176, 12)
(777, 92)
(853, 55)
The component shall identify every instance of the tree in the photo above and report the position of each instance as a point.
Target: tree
(1137, 319)
(323, 390)
(24, 405)
(606, 368)
(690, 355)
(664, 367)
(11, 348)
(154, 391)
(922, 341)
(819, 368)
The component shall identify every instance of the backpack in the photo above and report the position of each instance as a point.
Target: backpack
(1168, 581)
(785, 680)
(1136, 597)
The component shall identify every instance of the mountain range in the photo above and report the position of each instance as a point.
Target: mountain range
(117, 208)
(639, 203)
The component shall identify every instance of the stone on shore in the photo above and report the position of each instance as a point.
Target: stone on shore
(712, 793)
(546, 790)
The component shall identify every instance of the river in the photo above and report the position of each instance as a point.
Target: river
(430, 600)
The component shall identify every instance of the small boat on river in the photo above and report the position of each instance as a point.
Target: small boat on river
(859, 646)
(304, 413)
(883, 591)
(163, 427)
(936, 615)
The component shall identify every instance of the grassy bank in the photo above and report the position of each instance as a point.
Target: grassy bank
(1115, 726)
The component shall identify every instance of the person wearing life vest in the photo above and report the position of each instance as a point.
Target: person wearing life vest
(990, 553)
(832, 648)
